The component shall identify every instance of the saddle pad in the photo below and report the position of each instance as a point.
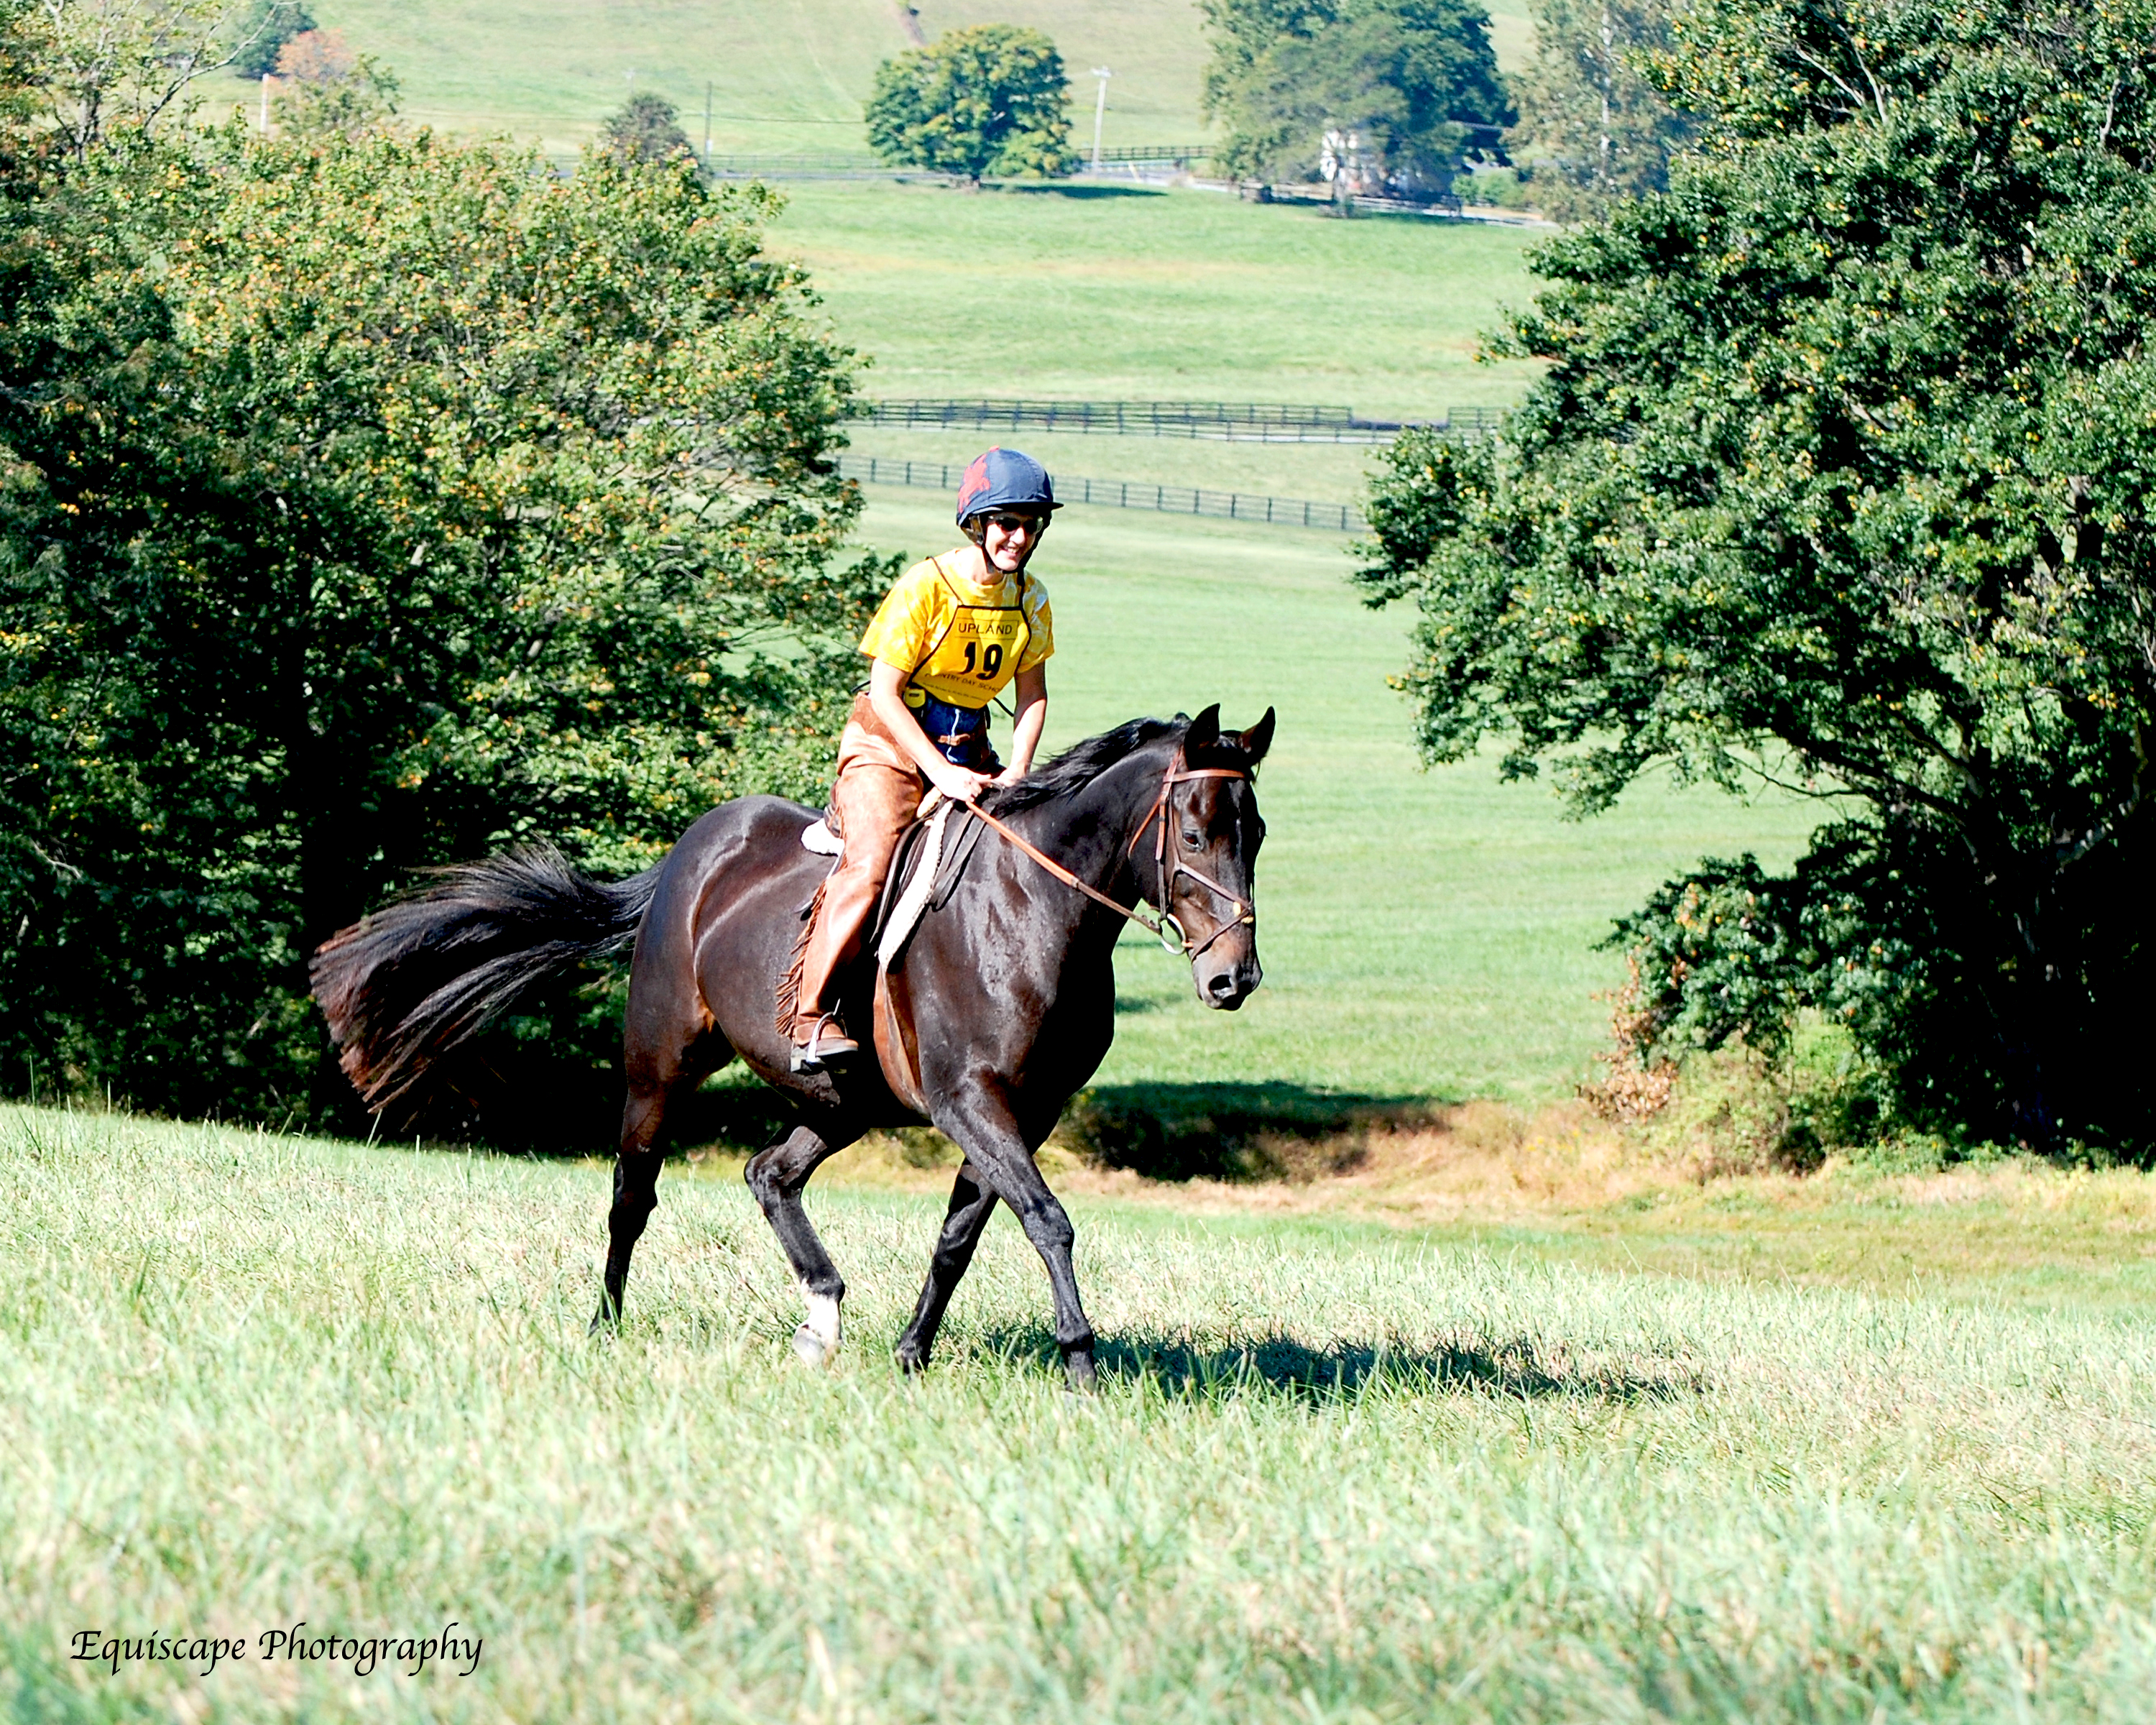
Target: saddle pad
(920, 886)
(818, 836)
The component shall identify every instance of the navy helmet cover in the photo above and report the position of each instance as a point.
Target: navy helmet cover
(1004, 479)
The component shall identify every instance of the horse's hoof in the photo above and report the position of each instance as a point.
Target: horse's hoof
(910, 1362)
(809, 1347)
(1078, 1367)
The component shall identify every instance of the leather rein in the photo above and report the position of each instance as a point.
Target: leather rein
(1167, 930)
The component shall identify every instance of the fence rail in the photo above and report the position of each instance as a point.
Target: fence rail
(1156, 152)
(853, 164)
(831, 165)
(1229, 422)
(1121, 494)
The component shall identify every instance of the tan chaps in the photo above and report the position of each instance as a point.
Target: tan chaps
(877, 791)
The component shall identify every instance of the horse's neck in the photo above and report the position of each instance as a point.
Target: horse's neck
(1093, 831)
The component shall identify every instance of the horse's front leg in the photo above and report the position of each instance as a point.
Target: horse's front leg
(985, 1130)
(971, 1203)
(776, 1177)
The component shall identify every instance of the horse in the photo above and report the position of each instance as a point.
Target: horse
(1005, 988)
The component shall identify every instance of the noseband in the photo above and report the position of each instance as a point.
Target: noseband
(1168, 929)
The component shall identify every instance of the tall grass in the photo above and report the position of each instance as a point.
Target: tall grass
(245, 1381)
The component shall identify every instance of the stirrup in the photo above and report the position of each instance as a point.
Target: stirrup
(827, 1046)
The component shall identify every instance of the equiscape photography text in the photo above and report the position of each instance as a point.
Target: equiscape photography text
(409, 1653)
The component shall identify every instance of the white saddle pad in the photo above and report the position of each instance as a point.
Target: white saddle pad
(914, 900)
(818, 836)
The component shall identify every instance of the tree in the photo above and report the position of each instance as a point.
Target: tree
(1397, 81)
(1838, 475)
(258, 35)
(329, 89)
(643, 130)
(99, 68)
(367, 503)
(1593, 121)
(990, 100)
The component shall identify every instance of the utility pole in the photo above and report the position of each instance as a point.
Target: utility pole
(265, 107)
(707, 126)
(1100, 108)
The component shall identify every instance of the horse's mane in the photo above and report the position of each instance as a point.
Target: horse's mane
(1081, 763)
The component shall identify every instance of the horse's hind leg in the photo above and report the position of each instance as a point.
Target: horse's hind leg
(971, 1203)
(659, 1069)
(635, 1196)
(776, 1177)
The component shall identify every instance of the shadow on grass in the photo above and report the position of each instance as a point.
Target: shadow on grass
(1035, 189)
(1273, 1131)
(1279, 1364)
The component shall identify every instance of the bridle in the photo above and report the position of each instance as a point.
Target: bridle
(1168, 929)
(1164, 877)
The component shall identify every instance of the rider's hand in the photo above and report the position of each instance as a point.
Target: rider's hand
(958, 783)
(1009, 775)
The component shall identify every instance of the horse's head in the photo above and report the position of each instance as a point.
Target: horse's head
(1205, 855)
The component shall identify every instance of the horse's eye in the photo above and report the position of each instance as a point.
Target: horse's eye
(1190, 837)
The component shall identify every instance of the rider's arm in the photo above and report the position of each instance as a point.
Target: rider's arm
(887, 696)
(1031, 691)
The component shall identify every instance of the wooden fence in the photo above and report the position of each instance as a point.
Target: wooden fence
(1121, 494)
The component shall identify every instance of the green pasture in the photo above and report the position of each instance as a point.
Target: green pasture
(786, 76)
(1120, 292)
(1423, 933)
(1336, 1473)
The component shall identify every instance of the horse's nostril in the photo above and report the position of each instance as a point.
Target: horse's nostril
(1222, 986)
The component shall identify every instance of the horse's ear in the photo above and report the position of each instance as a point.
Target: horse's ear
(1258, 738)
(1204, 732)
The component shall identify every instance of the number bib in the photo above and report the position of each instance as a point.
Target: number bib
(976, 656)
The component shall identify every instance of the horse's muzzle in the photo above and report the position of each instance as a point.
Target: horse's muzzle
(1229, 985)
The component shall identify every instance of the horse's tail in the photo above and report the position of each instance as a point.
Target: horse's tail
(403, 987)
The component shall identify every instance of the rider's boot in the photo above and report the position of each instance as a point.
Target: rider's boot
(869, 804)
(820, 1044)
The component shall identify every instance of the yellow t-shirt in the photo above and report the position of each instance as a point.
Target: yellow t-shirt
(959, 639)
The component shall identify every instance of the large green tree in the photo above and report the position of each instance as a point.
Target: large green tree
(1400, 82)
(1595, 123)
(1838, 474)
(990, 100)
(369, 502)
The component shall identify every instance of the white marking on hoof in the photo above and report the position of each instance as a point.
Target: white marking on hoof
(817, 1341)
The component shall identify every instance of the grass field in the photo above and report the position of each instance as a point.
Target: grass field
(786, 75)
(1108, 292)
(1338, 1472)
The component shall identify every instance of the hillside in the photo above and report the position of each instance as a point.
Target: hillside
(786, 75)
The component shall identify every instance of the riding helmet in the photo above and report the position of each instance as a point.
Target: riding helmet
(1004, 479)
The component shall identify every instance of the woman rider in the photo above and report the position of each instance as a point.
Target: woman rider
(950, 635)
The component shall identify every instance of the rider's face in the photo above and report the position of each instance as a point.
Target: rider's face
(1008, 540)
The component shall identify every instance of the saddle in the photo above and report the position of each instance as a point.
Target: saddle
(925, 872)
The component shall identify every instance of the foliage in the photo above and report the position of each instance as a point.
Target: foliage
(1840, 461)
(1299, 80)
(370, 503)
(1594, 119)
(990, 100)
(329, 89)
(262, 30)
(86, 70)
(645, 129)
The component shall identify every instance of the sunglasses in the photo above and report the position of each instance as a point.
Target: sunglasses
(1015, 523)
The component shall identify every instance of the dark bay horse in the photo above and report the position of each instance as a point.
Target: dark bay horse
(1010, 980)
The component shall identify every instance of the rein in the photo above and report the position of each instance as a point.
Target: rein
(1167, 925)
